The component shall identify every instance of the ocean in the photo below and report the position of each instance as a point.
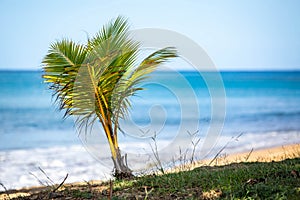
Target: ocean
(239, 110)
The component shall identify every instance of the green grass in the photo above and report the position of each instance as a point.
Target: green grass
(275, 180)
(260, 180)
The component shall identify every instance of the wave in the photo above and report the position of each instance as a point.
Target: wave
(17, 166)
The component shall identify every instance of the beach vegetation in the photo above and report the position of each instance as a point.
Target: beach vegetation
(94, 81)
(256, 180)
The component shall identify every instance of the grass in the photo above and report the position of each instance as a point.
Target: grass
(257, 180)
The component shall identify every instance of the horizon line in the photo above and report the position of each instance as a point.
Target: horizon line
(179, 70)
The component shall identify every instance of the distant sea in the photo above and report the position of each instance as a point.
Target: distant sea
(264, 107)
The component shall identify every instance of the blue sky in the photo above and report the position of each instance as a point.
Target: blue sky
(237, 35)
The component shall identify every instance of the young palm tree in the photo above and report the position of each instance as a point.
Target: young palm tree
(95, 81)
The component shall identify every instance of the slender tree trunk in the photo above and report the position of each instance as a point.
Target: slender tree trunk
(121, 169)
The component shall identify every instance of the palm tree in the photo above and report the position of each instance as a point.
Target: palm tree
(94, 82)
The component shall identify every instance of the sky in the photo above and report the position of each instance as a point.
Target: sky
(237, 35)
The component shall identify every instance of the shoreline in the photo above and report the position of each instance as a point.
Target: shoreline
(269, 154)
(276, 153)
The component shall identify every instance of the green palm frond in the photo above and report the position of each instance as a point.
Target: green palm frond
(61, 66)
(96, 80)
(129, 84)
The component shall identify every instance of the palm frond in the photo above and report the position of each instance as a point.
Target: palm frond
(96, 80)
(129, 84)
(61, 66)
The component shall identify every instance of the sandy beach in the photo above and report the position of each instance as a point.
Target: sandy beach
(276, 153)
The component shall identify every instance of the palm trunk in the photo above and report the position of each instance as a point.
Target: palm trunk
(121, 169)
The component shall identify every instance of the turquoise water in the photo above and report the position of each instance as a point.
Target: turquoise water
(256, 102)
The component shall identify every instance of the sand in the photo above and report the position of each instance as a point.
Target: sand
(256, 155)
(277, 153)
